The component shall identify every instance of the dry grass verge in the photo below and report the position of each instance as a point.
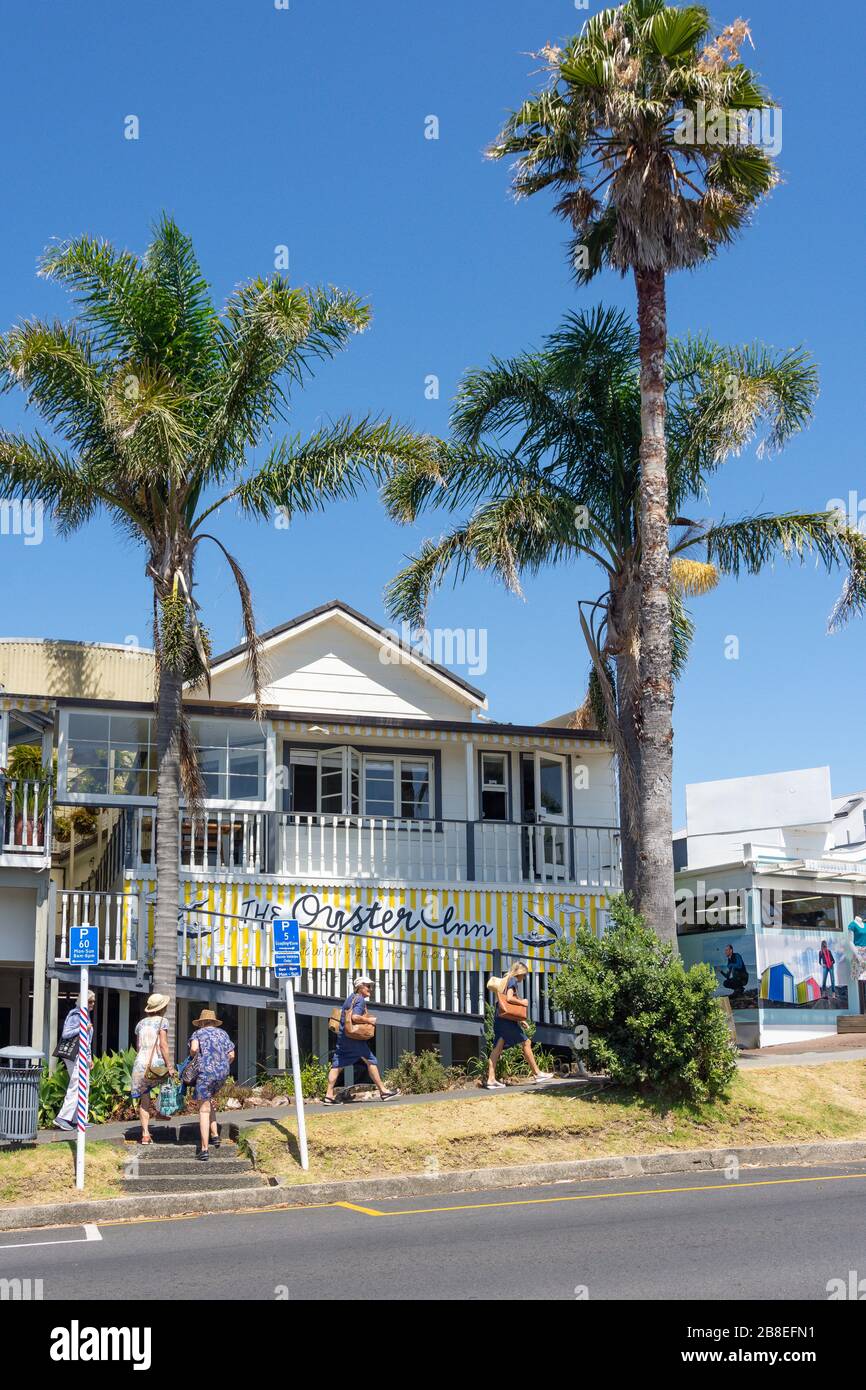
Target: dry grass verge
(46, 1173)
(773, 1106)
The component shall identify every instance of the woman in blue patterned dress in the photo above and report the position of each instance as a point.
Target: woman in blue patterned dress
(215, 1052)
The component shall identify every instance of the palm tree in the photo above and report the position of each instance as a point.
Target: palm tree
(156, 400)
(546, 459)
(649, 186)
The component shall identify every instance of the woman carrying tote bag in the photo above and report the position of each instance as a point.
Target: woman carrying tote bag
(511, 1013)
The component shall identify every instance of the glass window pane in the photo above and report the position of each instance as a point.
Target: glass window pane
(816, 911)
(415, 789)
(493, 770)
(89, 726)
(379, 788)
(130, 728)
(494, 805)
(87, 780)
(552, 800)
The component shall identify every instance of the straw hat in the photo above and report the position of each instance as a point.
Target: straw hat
(207, 1016)
(156, 1003)
(519, 967)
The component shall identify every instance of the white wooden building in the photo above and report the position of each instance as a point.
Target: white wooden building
(411, 837)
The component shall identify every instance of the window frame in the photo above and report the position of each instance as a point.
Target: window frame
(498, 788)
(66, 797)
(305, 753)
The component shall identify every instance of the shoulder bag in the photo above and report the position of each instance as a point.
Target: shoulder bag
(355, 1029)
(517, 1009)
(153, 1074)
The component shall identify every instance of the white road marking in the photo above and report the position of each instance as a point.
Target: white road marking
(91, 1232)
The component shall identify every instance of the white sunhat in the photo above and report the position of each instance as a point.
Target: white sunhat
(362, 980)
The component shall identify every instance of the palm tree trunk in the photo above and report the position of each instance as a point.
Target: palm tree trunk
(169, 713)
(655, 868)
(631, 746)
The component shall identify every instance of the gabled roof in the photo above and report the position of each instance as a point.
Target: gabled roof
(336, 607)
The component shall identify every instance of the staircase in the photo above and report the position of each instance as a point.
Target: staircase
(169, 1166)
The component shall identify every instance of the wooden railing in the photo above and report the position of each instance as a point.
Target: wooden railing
(301, 847)
(25, 817)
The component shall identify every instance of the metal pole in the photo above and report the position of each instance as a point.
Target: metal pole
(296, 1073)
(83, 1065)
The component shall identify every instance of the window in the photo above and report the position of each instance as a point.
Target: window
(494, 789)
(114, 755)
(330, 783)
(801, 909)
(110, 755)
(232, 759)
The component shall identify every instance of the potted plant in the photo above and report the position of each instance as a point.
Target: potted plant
(28, 791)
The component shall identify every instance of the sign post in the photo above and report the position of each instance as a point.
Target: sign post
(287, 966)
(84, 952)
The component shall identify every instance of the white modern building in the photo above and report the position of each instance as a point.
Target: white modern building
(775, 867)
(413, 839)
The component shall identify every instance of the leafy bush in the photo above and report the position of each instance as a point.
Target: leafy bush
(419, 1073)
(314, 1080)
(110, 1084)
(652, 1024)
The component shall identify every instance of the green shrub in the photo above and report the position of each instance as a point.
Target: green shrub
(652, 1024)
(314, 1080)
(419, 1073)
(110, 1084)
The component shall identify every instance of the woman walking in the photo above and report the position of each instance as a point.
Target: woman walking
(352, 1050)
(153, 1063)
(212, 1052)
(508, 1025)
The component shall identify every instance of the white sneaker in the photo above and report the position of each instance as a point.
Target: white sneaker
(544, 1076)
(494, 1085)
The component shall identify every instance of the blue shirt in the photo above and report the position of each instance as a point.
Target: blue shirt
(858, 932)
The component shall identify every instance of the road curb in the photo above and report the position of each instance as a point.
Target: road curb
(363, 1190)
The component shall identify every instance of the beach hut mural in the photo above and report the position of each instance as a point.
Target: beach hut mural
(777, 984)
(808, 989)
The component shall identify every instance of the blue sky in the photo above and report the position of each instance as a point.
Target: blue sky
(261, 127)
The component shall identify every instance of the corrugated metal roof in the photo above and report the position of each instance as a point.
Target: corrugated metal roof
(87, 670)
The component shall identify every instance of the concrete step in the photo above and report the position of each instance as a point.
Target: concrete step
(206, 1180)
(176, 1167)
(160, 1152)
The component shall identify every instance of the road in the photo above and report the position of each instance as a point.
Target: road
(774, 1233)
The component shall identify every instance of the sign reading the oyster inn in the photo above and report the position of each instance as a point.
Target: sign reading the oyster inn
(310, 911)
(526, 919)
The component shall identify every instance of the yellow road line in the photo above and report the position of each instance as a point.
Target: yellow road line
(605, 1196)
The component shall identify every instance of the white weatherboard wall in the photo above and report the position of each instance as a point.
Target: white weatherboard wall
(791, 812)
(334, 667)
(17, 923)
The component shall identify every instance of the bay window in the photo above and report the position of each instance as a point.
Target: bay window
(109, 757)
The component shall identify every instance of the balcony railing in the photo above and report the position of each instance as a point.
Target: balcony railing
(302, 847)
(25, 818)
(443, 978)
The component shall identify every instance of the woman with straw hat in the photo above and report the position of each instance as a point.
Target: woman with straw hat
(153, 1064)
(213, 1052)
(507, 1030)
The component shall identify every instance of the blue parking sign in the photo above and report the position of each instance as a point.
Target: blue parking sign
(287, 949)
(83, 946)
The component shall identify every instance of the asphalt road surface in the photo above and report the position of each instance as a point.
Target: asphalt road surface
(779, 1233)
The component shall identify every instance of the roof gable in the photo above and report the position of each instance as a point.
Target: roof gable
(335, 660)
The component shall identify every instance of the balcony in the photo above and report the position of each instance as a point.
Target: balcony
(313, 848)
(25, 823)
